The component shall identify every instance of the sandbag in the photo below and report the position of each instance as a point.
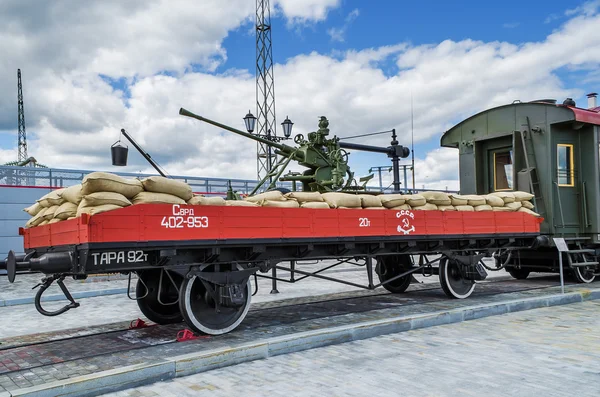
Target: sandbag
(494, 201)
(43, 223)
(415, 200)
(514, 206)
(103, 198)
(305, 197)
(315, 205)
(467, 208)
(522, 196)
(336, 200)
(402, 207)
(106, 182)
(96, 210)
(51, 199)
(425, 207)
(156, 198)
(457, 199)
(273, 195)
(73, 217)
(474, 200)
(240, 203)
(368, 200)
(528, 211)
(280, 204)
(375, 208)
(199, 200)
(160, 184)
(446, 208)
(66, 210)
(437, 198)
(502, 209)
(72, 194)
(34, 209)
(483, 207)
(392, 200)
(508, 197)
(49, 213)
(527, 204)
(36, 220)
(54, 220)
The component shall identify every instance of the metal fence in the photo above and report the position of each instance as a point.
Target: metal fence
(56, 178)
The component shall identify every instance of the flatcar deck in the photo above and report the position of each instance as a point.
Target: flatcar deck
(172, 223)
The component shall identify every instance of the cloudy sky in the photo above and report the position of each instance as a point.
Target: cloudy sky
(92, 68)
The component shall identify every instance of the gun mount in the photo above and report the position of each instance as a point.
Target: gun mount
(325, 158)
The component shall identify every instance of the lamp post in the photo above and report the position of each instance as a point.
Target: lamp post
(287, 124)
(250, 122)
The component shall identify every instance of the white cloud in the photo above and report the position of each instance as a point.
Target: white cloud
(338, 34)
(302, 11)
(587, 8)
(75, 115)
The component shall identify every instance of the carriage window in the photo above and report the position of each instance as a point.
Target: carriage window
(503, 170)
(565, 165)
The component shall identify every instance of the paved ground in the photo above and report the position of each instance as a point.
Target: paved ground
(544, 352)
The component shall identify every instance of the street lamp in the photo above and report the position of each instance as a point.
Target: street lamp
(287, 127)
(250, 121)
(287, 124)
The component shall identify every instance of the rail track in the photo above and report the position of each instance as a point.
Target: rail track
(18, 356)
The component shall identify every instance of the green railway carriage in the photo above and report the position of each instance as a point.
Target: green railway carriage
(552, 151)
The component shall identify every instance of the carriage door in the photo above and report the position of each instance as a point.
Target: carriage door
(566, 187)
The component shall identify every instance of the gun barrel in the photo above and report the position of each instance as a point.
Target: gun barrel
(279, 146)
(396, 150)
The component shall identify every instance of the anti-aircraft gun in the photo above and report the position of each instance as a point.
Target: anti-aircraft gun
(325, 158)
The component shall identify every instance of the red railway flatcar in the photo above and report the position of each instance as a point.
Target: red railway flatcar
(195, 263)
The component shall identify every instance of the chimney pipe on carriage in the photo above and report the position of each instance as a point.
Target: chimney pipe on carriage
(592, 100)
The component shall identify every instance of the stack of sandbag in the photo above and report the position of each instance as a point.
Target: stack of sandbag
(308, 199)
(102, 191)
(516, 201)
(370, 202)
(43, 210)
(440, 200)
(161, 190)
(201, 200)
(394, 201)
(273, 198)
(342, 200)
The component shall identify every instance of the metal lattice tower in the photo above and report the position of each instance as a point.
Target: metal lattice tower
(265, 88)
(22, 142)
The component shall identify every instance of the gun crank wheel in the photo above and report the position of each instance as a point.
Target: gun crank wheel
(201, 312)
(452, 281)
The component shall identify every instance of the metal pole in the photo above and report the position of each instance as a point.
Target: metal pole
(405, 179)
(292, 269)
(274, 281)
(370, 272)
(562, 281)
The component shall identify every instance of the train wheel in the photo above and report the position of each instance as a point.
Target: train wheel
(584, 274)
(390, 266)
(150, 306)
(519, 274)
(452, 281)
(201, 313)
